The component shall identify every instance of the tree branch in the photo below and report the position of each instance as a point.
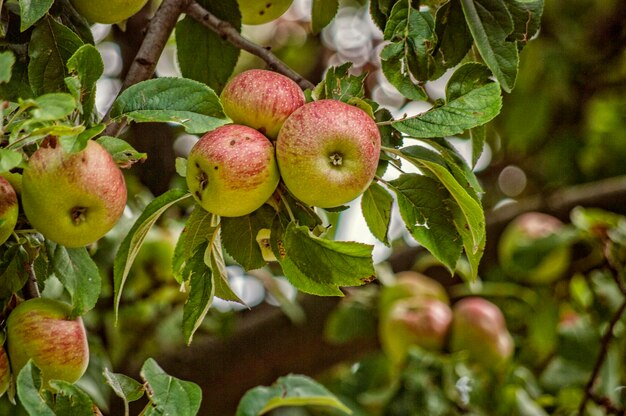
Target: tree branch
(230, 33)
(604, 349)
(31, 289)
(144, 64)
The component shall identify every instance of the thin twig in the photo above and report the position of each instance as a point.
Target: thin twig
(144, 64)
(230, 33)
(604, 348)
(31, 289)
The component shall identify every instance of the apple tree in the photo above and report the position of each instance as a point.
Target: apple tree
(278, 160)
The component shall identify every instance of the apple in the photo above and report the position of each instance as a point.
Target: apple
(231, 171)
(410, 284)
(263, 240)
(422, 322)
(43, 330)
(257, 12)
(261, 99)
(479, 328)
(73, 199)
(5, 371)
(327, 153)
(110, 11)
(9, 209)
(522, 233)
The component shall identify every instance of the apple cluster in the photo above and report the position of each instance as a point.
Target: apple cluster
(416, 311)
(326, 152)
(44, 331)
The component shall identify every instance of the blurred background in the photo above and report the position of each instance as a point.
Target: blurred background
(563, 125)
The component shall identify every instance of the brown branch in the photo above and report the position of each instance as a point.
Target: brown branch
(31, 289)
(144, 64)
(230, 33)
(604, 349)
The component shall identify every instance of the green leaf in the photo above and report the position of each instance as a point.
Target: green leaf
(454, 39)
(291, 390)
(9, 159)
(376, 205)
(199, 228)
(322, 12)
(319, 266)
(473, 109)
(203, 55)
(131, 244)
(122, 152)
(491, 23)
(189, 103)
(338, 84)
(7, 59)
(414, 31)
(467, 78)
(478, 135)
(50, 47)
(31, 11)
(51, 107)
(28, 385)
(526, 16)
(201, 293)
(12, 273)
(469, 217)
(78, 273)
(396, 70)
(424, 207)
(239, 236)
(126, 388)
(87, 64)
(214, 258)
(71, 400)
(170, 395)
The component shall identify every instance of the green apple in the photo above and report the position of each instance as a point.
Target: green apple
(9, 209)
(421, 322)
(44, 331)
(479, 328)
(261, 99)
(73, 199)
(232, 170)
(257, 12)
(263, 240)
(5, 371)
(521, 234)
(327, 153)
(107, 11)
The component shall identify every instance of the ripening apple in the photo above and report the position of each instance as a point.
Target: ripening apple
(479, 328)
(73, 199)
(9, 209)
(522, 233)
(257, 12)
(231, 171)
(43, 330)
(109, 11)
(410, 284)
(327, 152)
(5, 371)
(421, 322)
(261, 99)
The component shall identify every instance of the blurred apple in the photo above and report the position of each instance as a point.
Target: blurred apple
(422, 322)
(410, 284)
(479, 328)
(520, 236)
(5, 371)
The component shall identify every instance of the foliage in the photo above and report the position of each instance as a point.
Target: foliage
(49, 70)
